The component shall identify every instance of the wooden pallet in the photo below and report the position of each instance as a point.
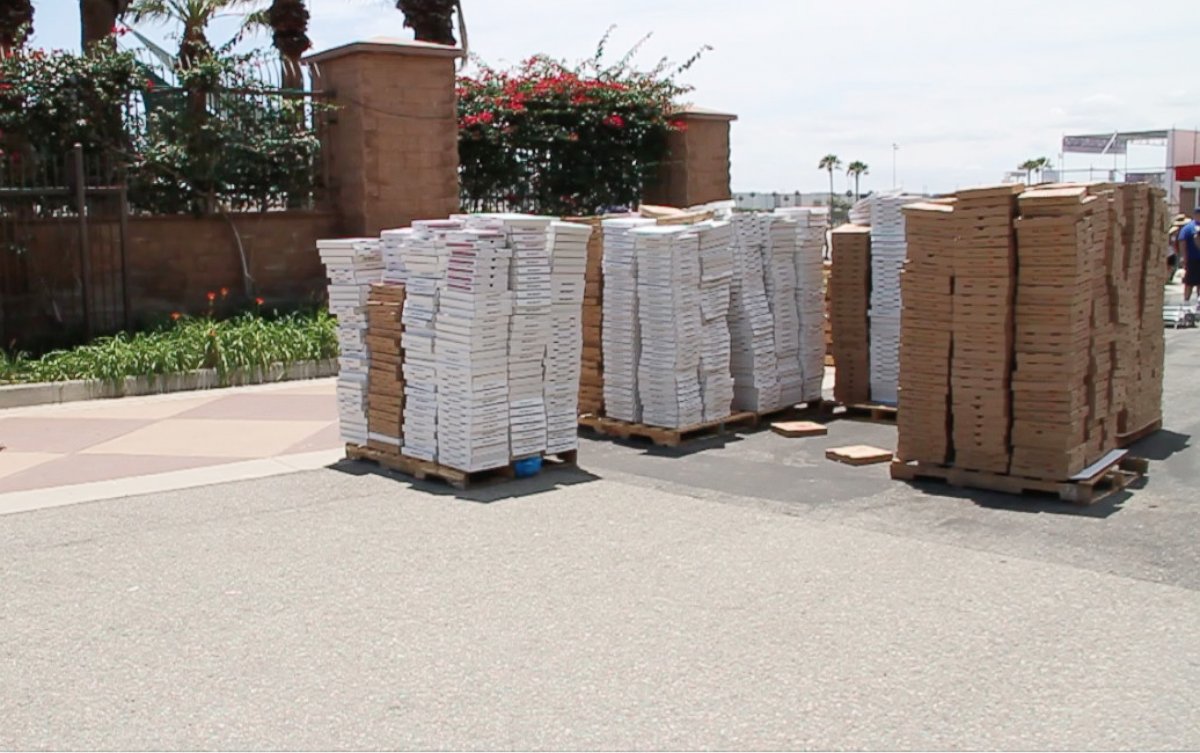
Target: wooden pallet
(1133, 437)
(877, 412)
(662, 436)
(1109, 475)
(423, 470)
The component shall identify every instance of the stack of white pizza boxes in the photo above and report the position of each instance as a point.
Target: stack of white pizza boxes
(779, 266)
(619, 322)
(471, 349)
(716, 277)
(530, 330)
(810, 296)
(425, 257)
(888, 252)
(668, 290)
(352, 264)
(568, 244)
(392, 243)
(751, 326)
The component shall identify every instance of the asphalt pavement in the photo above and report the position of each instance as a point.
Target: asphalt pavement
(744, 593)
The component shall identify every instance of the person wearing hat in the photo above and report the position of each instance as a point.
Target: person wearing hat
(1173, 243)
(1187, 246)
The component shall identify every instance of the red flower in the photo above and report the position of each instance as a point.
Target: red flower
(573, 136)
(5, 86)
(259, 301)
(679, 125)
(614, 121)
(211, 296)
(224, 292)
(175, 316)
(486, 118)
(149, 85)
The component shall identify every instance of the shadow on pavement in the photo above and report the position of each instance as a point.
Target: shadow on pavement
(689, 447)
(1046, 504)
(492, 490)
(1161, 445)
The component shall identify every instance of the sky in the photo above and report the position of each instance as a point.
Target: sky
(966, 89)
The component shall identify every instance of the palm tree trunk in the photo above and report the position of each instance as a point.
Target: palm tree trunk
(97, 19)
(831, 196)
(856, 194)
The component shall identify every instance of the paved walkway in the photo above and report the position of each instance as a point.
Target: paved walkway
(103, 448)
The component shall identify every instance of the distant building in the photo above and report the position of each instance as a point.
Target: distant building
(1177, 171)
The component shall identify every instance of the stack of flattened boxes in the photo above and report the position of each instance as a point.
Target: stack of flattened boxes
(850, 293)
(981, 366)
(1145, 393)
(591, 379)
(1057, 266)
(385, 382)
(927, 288)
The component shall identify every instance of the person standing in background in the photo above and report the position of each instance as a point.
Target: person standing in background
(1187, 247)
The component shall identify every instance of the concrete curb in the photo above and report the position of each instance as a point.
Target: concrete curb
(48, 393)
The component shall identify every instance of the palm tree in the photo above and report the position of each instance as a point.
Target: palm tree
(193, 16)
(431, 20)
(857, 169)
(1038, 165)
(288, 22)
(830, 162)
(98, 18)
(16, 23)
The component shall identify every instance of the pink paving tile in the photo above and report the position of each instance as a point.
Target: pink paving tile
(211, 438)
(83, 469)
(329, 438)
(63, 435)
(268, 406)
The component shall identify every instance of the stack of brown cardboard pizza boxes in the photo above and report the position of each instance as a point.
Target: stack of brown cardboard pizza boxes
(385, 378)
(1145, 226)
(591, 379)
(927, 291)
(1059, 260)
(850, 293)
(982, 330)
(826, 272)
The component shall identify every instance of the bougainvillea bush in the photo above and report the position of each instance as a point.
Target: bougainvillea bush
(563, 140)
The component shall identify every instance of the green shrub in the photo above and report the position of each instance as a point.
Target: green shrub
(247, 341)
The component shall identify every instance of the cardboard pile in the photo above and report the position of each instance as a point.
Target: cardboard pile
(620, 337)
(352, 265)
(425, 258)
(385, 385)
(779, 267)
(984, 286)
(927, 282)
(1058, 263)
(752, 328)
(569, 259)
(474, 368)
(810, 297)
(888, 252)
(850, 292)
(716, 276)
(591, 379)
(530, 330)
(1053, 356)
(668, 293)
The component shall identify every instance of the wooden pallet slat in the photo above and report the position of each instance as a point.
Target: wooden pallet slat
(1133, 437)
(663, 436)
(424, 470)
(1107, 476)
(877, 412)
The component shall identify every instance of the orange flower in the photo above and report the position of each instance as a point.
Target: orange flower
(175, 316)
(211, 296)
(224, 292)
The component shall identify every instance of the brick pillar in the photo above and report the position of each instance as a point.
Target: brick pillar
(391, 148)
(696, 170)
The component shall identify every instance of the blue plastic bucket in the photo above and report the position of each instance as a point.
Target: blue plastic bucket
(527, 467)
